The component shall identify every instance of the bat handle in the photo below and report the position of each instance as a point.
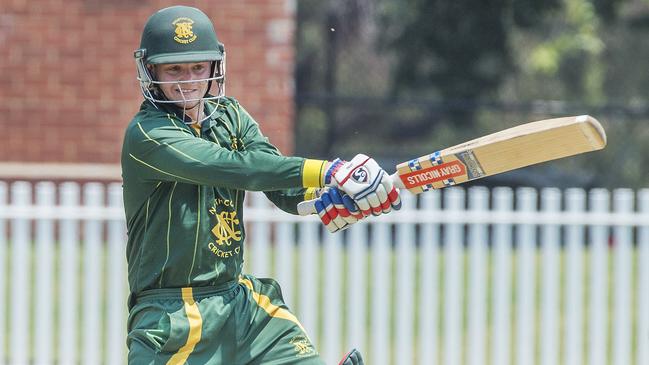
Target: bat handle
(396, 180)
(306, 207)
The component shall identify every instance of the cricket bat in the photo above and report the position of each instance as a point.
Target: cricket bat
(509, 149)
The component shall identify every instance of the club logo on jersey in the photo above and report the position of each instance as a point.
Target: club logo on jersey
(226, 228)
(302, 346)
(361, 175)
(225, 231)
(184, 33)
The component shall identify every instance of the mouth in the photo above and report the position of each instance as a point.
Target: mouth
(186, 91)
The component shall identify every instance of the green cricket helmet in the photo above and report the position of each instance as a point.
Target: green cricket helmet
(179, 34)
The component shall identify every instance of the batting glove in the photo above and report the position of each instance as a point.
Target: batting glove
(352, 358)
(337, 211)
(366, 183)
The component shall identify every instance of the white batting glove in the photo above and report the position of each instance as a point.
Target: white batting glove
(366, 183)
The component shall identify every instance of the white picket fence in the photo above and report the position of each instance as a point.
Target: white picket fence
(462, 276)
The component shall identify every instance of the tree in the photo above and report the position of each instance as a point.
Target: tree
(455, 50)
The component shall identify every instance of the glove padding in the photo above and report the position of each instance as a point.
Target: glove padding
(366, 183)
(337, 210)
(352, 358)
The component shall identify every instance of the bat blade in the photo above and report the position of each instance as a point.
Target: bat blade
(510, 149)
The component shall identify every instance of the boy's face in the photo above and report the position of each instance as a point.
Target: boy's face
(183, 90)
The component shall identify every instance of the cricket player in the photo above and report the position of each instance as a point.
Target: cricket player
(188, 157)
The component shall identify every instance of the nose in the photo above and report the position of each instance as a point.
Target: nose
(191, 75)
(185, 75)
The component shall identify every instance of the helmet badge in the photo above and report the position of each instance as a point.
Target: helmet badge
(184, 33)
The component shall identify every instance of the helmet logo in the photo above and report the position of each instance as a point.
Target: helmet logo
(184, 33)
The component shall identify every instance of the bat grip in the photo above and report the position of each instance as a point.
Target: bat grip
(396, 180)
(307, 207)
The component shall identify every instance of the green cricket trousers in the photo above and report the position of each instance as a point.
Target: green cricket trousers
(243, 323)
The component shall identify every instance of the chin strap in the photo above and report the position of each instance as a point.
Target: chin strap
(353, 357)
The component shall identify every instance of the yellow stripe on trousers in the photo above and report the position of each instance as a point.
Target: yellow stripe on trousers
(195, 324)
(274, 311)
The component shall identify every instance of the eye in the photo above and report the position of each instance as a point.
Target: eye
(199, 68)
(173, 69)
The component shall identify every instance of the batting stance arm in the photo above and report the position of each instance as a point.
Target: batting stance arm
(254, 140)
(159, 150)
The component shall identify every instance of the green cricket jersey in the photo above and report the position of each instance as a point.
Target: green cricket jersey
(184, 193)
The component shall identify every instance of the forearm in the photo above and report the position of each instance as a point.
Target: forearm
(288, 199)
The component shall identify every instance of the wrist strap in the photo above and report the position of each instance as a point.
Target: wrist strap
(335, 165)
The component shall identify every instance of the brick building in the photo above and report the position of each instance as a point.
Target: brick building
(68, 84)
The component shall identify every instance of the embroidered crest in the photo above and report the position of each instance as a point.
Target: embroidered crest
(227, 233)
(226, 227)
(302, 346)
(184, 33)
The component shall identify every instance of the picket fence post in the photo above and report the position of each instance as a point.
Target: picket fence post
(526, 279)
(21, 196)
(92, 263)
(116, 287)
(550, 261)
(3, 278)
(642, 290)
(622, 203)
(44, 267)
(574, 238)
(307, 277)
(453, 278)
(381, 288)
(68, 276)
(477, 271)
(599, 235)
(429, 302)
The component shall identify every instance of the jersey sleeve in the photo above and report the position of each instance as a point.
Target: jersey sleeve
(159, 149)
(254, 140)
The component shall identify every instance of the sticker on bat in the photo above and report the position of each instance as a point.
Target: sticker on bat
(448, 170)
(473, 167)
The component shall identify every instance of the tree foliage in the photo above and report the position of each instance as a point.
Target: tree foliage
(394, 78)
(456, 49)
